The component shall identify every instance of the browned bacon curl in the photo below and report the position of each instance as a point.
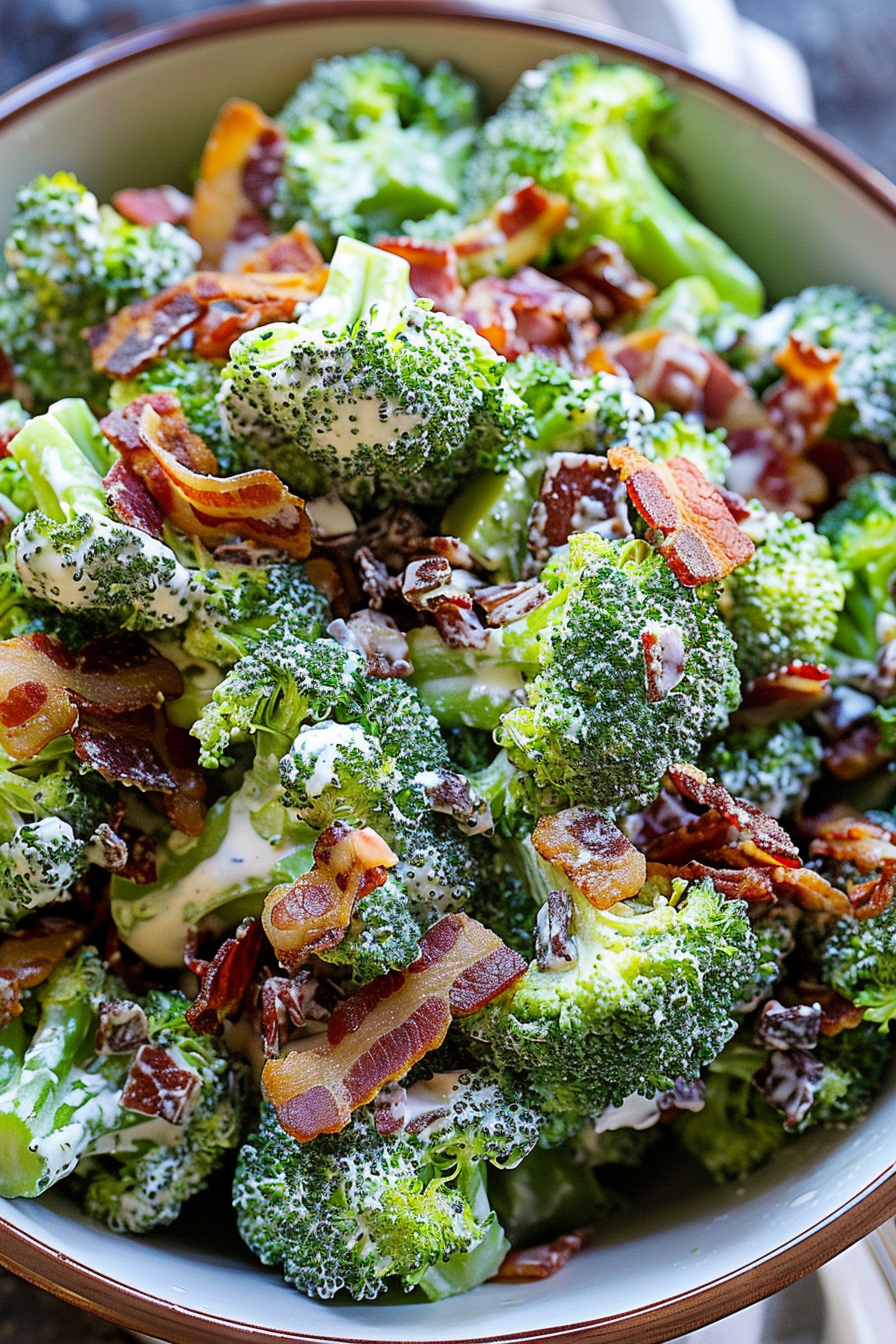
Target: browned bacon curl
(593, 854)
(225, 979)
(30, 954)
(376, 1035)
(703, 541)
(760, 836)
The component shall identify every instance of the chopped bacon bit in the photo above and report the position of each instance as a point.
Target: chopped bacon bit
(555, 948)
(789, 1082)
(857, 754)
(531, 312)
(593, 854)
(506, 602)
(156, 442)
(43, 688)
(314, 911)
(540, 1262)
(241, 160)
(378, 1033)
(604, 275)
(285, 1003)
(735, 884)
(427, 586)
(121, 1029)
(107, 850)
(28, 956)
(791, 692)
(809, 890)
(768, 839)
(224, 305)
(129, 500)
(516, 231)
(147, 751)
(837, 1013)
(293, 253)
(664, 660)
(854, 839)
(703, 541)
(158, 1085)
(802, 403)
(153, 205)
(460, 628)
(452, 793)
(225, 980)
(378, 637)
(433, 271)
(580, 492)
(394, 536)
(782, 1028)
(870, 899)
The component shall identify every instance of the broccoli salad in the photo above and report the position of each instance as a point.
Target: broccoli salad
(447, 684)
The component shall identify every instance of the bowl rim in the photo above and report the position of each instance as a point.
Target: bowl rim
(120, 1303)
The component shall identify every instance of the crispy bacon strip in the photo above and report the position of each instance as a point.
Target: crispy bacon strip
(593, 853)
(153, 205)
(314, 911)
(157, 445)
(703, 541)
(855, 840)
(129, 500)
(744, 884)
(240, 164)
(540, 1262)
(376, 1035)
(514, 232)
(225, 979)
(790, 692)
(43, 688)
(768, 839)
(30, 954)
(433, 271)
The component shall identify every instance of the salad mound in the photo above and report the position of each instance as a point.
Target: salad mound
(447, 683)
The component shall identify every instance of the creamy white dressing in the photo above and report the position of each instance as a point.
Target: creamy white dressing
(320, 744)
(634, 1113)
(20, 853)
(330, 516)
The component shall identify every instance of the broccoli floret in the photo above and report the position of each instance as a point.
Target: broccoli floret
(358, 1210)
(236, 604)
(854, 1065)
(737, 1130)
(775, 941)
(383, 934)
(144, 1183)
(196, 383)
(782, 605)
(585, 130)
(390, 400)
(589, 730)
(861, 530)
(840, 318)
(373, 143)
(647, 1000)
(578, 415)
(675, 435)
(858, 957)
(71, 264)
(773, 767)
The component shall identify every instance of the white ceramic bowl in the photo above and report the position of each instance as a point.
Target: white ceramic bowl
(136, 112)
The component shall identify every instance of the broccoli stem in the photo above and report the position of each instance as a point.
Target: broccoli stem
(364, 283)
(464, 687)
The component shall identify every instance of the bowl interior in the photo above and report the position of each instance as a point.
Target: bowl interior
(681, 1256)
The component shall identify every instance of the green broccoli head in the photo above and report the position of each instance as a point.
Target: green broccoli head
(373, 143)
(388, 399)
(861, 530)
(782, 605)
(359, 1210)
(588, 729)
(737, 1130)
(839, 318)
(235, 605)
(383, 934)
(71, 263)
(646, 1000)
(578, 415)
(855, 1062)
(675, 435)
(773, 767)
(858, 957)
(585, 130)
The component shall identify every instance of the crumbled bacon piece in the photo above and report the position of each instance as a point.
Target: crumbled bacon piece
(743, 884)
(506, 602)
(156, 443)
(580, 492)
(791, 692)
(433, 271)
(44, 689)
(782, 1028)
(428, 585)
(604, 275)
(121, 1029)
(131, 502)
(158, 1085)
(452, 793)
(703, 541)
(315, 910)
(789, 1082)
(240, 163)
(593, 854)
(390, 1109)
(394, 536)
(555, 947)
(293, 253)
(30, 954)
(225, 979)
(153, 205)
(664, 660)
(855, 840)
(764, 468)
(768, 839)
(809, 890)
(857, 754)
(802, 403)
(378, 637)
(378, 1033)
(452, 549)
(540, 1262)
(516, 231)
(459, 627)
(530, 312)
(870, 899)
(287, 1002)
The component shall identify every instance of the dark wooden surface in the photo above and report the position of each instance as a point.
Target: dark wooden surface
(850, 47)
